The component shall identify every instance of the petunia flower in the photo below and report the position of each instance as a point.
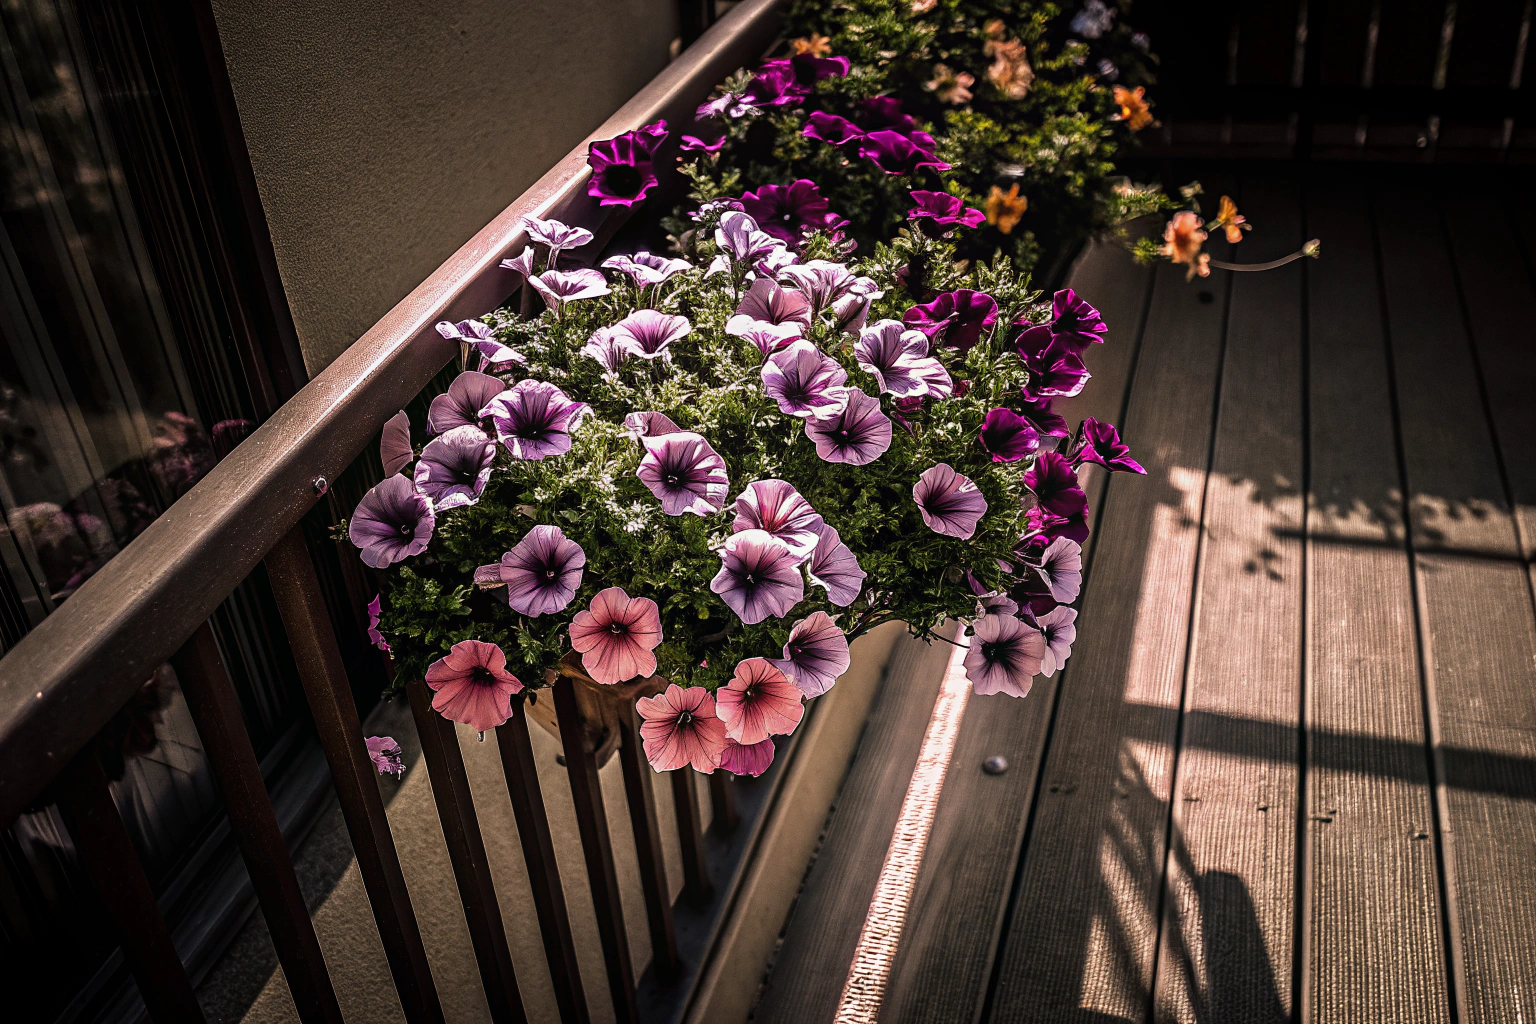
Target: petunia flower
(1060, 566)
(759, 577)
(1059, 629)
(945, 210)
(1046, 423)
(898, 359)
(886, 112)
(1048, 525)
(1101, 443)
(1054, 368)
(833, 129)
(852, 310)
(958, 317)
(822, 282)
(731, 104)
(788, 211)
(541, 572)
(481, 338)
(680, 727)
(473, 685)
(375, 609)
(1074, 320)
(522, 263)
(1182, 239)
(804, 381)
(1054, 484)
(454, 467)
(460, 405)
(649, 334)
(895, 153)
(1135, 111)
(835, 569)
(557, 287)
(810, 68)
(739, 237)
(616, 635)
(392, 522)
(949, 85)
(646, 269)
(395, 449)
(949, 501)
(1005, 209)
(766, 338)
(534, 419)
(1006, 654)
(774, 85)
(765, 302)
(1008, 436)
(622, 167)
(610, 349)
(775, 507)
(649, 424)
(750, 759)
(856, 432)
(815, 655)
(555, 236)
(386, 755)
(759, 701)
(685, 473)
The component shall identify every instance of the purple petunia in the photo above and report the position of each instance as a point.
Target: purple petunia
(766, 302)
(685, 473)
(1060, 567)
(541, 572)
(739, 237)
(945, 210)
(1046, 423)
(1006, 653)
(766, 338)
(555, 236)
(534, 419)
(649, 424)
(834, 568)
(810, 69)
(481, 338)
(557, 287)
(856, 433)
(648, 334)
(392, 522)
(822, 282)
(759, 577)
(386, 755)
(958, 316)
(788, 211)
(898, 359)
(774, 85)
(521, 264)
(1074, 320)
(1101, 443)
(646, 269)
(610, 349)
(815, 654)
(454, 467)
(775, 507)
(949, 501)
(1048, 525)
(895, 153)
(460, 405)
(1008, 436)
(886, 112)
(1054, 484)
(1054, 369)
(830, 128)
(395, 449)
(1058, 627)
(622, 167)
(375, 610)
(804, 381)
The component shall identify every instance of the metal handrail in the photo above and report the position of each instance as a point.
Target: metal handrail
(65, 679)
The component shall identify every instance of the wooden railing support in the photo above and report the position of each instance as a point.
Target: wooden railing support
(690, 832)
(648, 849)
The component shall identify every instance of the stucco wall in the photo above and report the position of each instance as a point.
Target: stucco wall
(385, 133)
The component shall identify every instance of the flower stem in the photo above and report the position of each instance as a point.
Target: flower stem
(1312, 248)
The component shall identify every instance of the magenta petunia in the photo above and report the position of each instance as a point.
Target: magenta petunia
(622, 167)
(1060, 567)
(774, 85)
(775, 507)
(815, 655)
(856, 432)
(949, 501)
(895, 153)
(608, 348)
(945, 210)
(834, 568)
(646, 269)
(960, 315)
(886, 112)
(649, 424)
(1046, 422)
(386, 755)
(473, 685)
(750, 759)
(1048, 525)
(1008, 436)
(804, 381)
(616, 636)
(1073, 319)
(1055, 486)
(758, 702)
(700, 144)
(454, 467)
(685, 473)
(375, 610)
(1006, 654)
(680, 727)
(897, 357)
(649, 334)
(1058, 627)
(481, 338)
(395, 449)
(766, 302)
(555, 236)
(788, 211)
(830, 128)
(460, 405)
(534, 419)
(1101, 443)
(558, 287)
(759, 577)
(541, 572)
(810, 69)
(1054, 369)
(393, 521)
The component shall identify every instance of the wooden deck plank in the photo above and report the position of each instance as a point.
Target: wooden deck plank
(1506, 352)
(944, 961)
(1228, 909)
(1475, 606)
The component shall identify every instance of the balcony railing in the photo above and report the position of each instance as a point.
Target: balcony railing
(62, 683)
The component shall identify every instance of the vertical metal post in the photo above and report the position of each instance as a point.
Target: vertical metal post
(642, 821)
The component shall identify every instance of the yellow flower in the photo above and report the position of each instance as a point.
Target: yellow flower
(1228, 218)
(1182, 239)
(949, 85)
(815, 45)
(1005, 209)
(1135, 111)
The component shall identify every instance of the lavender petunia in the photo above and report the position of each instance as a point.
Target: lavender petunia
(557, 287)
(460, 405)
(1008, 436)
(1055, 486)
(392, 522)
(646, 269)
(815, 655)
(1059, 629)
(830, 128)
(898, 359)
(685, 473)
(649, 424)
(622, 167)
(949, 501)
(766, 302)
(759, 577)
(739, 237)
(788, 211)
(960, 315)
(1101, 443)
(945, 210)
(386, 755)
(395, 449)
(375, 611)
(852, 310)
(895, 153)
(481, 338)
(766, 338)
(555, 236)
(834, 568)
(1006, 653)
(1046, 423)
(1073, 319)
(541, 572)
(610, 349)
(534, 419)
(804, 381)
(648, 334)
(454, 467)
(1060, 567)
(1054, 369)
(856, 433)
(731, 104)
(822, 282)
(775, 507)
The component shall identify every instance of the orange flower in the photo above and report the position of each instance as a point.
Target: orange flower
(951, 86)
(1227, 217)
(1135, 111)
(815, 45)
(1010, 70)
(994, 29)
(1005, 209)
(1182, 239)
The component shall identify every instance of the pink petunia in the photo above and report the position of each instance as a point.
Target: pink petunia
(681, 727)
(386, 755)
(758, 702)
(473, 685)
(750, 759)
(775, 507)
(616, 636)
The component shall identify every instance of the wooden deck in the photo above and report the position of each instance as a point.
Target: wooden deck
(1290, 770)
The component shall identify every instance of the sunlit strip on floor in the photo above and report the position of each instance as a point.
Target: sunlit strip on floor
(871, 970)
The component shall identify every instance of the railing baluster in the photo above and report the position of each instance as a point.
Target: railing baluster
(642, 821)
(722, 799)
(324, 677)
(107, 854)
(597, 847)
(522, 775)
(690, 832)
(215, 710)
(466, 850)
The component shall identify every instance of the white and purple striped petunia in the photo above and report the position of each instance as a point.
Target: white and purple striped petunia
(856, 432)
(534, 419)
(777, 508)
(804, 381)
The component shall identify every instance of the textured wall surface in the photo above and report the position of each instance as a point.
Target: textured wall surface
(385, 133)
